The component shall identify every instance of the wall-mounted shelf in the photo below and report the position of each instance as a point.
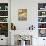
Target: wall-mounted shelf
(41, 10)
(4, 19)
(3, 22)
(41, 28)
(41, 22)
(3, 10)
(42, 19)
(3, 16)
(42, 16)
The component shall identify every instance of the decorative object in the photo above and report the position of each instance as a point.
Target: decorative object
(31, 27)
(4, 26)
(3, 19)
(3, 13)
(4, 29)
(22, 14)
(23, 40)
(42, 32)
(41, 25)
(3, 6)
(6, 7)
(41, 19)
(0, 7)
(13, 27)
(41, 6)
(43, 13)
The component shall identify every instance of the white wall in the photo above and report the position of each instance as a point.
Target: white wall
(3, 1)
(32, 8)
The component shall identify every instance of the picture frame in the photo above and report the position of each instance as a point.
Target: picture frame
(42, 33)
(22, 14)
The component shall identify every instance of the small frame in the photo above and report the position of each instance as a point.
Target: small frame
(42, 33)
(22, 14)
(41, 6)
(4, 29)
(3, 19)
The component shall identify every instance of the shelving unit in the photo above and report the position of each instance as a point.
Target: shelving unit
(42, 19)
(42, 10)
(4, 19)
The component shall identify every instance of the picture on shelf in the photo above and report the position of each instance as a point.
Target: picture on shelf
(41, 19)
(22, 14)
(42, 33)
(3, 13)
(6, 7)
(41, 6)
(4, 29)
(3, 6)
(3, 19)
(41, 13)
(41, 25)
(3, 26)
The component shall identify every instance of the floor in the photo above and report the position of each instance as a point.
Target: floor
(3, 45)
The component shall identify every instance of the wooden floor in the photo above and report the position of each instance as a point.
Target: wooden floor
(3, 45)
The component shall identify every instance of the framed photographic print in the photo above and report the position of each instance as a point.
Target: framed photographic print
(4, 29)
(3, 19)
(42, 32)
(22, 14)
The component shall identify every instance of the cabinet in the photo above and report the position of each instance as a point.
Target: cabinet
(4, 19)
(42, 41)
(3, 40)
(42, 19)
